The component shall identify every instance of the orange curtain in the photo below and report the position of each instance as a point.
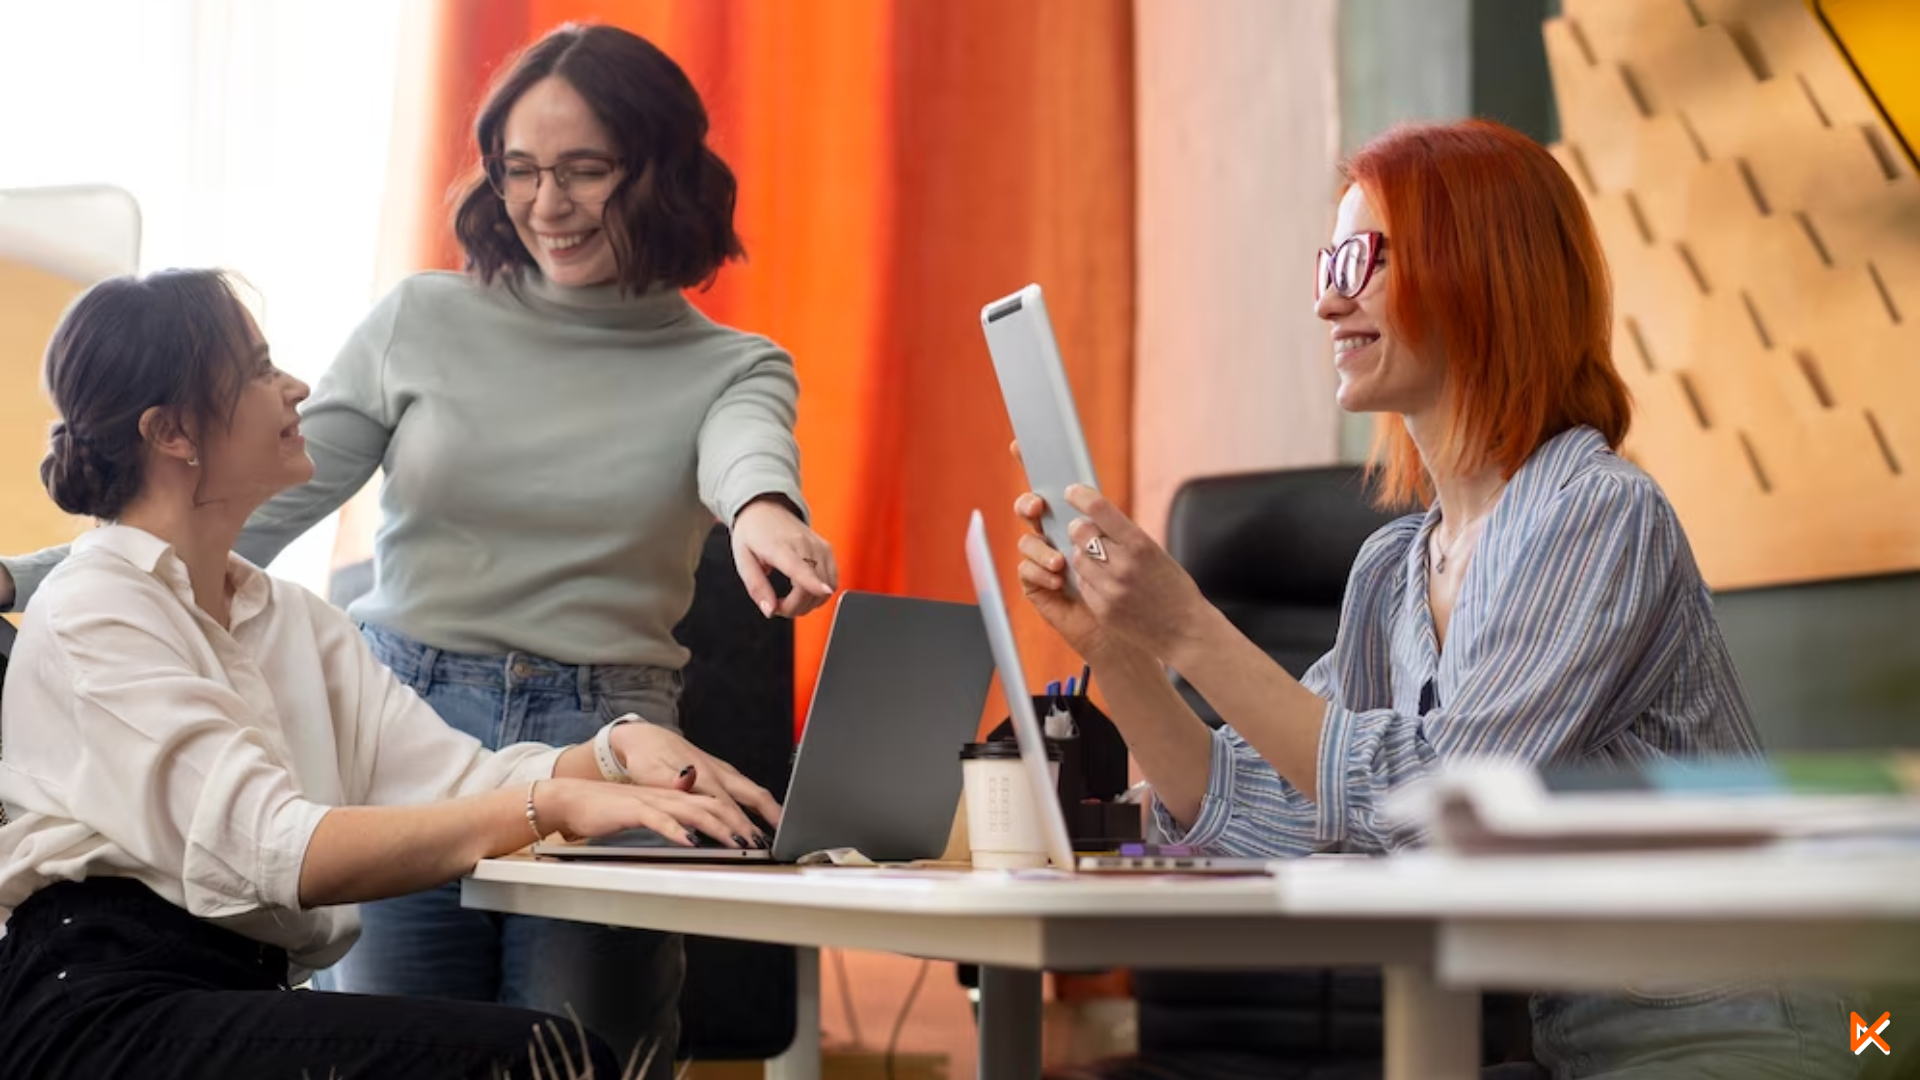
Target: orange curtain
(901, 163)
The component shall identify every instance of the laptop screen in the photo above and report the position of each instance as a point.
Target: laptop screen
(1013, 680)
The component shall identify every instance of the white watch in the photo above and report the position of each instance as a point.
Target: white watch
(612, 769)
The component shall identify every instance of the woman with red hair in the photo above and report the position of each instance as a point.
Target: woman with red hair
(1469, 308)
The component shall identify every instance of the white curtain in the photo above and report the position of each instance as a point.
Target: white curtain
(254, 134)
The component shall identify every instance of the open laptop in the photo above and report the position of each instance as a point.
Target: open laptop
(901, 690)
(1033, 743)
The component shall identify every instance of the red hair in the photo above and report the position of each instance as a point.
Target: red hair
(1496, 272)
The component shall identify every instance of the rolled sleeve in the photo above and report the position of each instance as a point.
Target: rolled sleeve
(1248, 809)
(247, 838)
(1216, 806)
(1338, 763)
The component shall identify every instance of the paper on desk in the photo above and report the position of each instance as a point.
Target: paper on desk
(839, 856)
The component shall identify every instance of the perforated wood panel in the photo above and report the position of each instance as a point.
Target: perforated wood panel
(1764, 234)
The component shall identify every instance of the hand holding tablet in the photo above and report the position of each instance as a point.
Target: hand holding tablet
(1115, 579)
(1039, 400)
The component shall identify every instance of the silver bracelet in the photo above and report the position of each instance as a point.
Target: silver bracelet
(533, 822)
(612, 769)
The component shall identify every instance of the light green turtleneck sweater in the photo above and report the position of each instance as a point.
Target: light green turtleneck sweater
(554, 460)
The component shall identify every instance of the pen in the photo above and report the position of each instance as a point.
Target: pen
(1070, 686)
(1086, 679)
(1053, 689)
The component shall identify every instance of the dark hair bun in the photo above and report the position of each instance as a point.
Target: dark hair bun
(82, 479)
(172, 340)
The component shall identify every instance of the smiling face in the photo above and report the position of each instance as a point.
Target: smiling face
(261, 452)
(549, 125)
(1378, 371)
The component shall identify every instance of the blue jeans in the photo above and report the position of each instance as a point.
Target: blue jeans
(623, 984)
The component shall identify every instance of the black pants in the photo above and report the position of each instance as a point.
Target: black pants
(102, 978)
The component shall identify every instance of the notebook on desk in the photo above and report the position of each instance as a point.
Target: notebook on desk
(1512, 808)
(901, 689)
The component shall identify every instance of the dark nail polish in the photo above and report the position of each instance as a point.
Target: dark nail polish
(692, 839)
(686, 771)
(760, 840)
(740, 840)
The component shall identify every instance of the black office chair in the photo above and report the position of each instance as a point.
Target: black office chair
(1272, 551)
(740, 998)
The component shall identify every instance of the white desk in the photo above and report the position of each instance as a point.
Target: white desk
(1444, 928)
(1597, 921)
(1015, 929)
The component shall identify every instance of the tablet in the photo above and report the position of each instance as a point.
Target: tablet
(1033, 382)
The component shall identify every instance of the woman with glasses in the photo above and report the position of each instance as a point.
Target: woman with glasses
(1544, 606)
(559, 429)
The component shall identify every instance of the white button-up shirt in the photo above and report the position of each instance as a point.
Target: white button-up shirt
(141, 739)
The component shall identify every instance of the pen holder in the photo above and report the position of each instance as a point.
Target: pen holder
(1093, 773)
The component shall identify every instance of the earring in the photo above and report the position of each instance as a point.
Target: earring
(194, 461)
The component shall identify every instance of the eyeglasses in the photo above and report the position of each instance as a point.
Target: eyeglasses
(1347, 267)
(583, 179)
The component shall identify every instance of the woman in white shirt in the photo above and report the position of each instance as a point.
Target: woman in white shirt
(205, 768)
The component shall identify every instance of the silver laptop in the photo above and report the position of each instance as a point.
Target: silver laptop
(901, 690)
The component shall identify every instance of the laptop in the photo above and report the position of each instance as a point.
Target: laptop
(901, 690)
(1033, 743)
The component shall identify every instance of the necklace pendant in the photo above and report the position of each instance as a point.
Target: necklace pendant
(1440, 563)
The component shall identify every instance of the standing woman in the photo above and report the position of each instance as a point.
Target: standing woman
(559, 429)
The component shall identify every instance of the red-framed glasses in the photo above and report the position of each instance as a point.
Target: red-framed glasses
(1346, 267)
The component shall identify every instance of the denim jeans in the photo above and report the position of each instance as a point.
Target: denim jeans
(623, 984)
(1737, 1031)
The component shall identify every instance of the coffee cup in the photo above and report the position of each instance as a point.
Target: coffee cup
(1003, 812)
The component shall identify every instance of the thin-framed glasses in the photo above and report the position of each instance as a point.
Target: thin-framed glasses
(585, 178)
(1347, 267)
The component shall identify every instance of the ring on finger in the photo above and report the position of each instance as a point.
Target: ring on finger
(1096, 550)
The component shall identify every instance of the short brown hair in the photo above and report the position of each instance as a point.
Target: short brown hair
(670, 220)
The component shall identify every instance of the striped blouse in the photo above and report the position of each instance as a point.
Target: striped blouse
(1582, 633)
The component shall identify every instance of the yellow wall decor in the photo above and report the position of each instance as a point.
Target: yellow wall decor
(1762, 222)
(32, 304)
(1878, 37)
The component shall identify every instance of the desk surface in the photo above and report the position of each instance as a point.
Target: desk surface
(1849, 917)
(923, 892)
(1086, 921)
(1534, 922)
